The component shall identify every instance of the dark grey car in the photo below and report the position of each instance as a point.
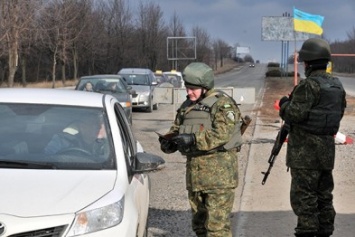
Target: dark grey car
(109, 84)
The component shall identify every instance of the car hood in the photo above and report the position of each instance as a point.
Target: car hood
(140, 88)
(28, 193)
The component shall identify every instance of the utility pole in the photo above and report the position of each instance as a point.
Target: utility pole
(285, 50)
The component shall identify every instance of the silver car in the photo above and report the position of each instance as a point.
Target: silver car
(143, 82)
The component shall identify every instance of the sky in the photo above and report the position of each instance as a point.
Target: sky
(240, 21)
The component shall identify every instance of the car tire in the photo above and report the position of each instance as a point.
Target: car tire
(155, 106)
(150, 107)
(145, 234)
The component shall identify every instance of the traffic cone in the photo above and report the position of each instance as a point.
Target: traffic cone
(343, 139)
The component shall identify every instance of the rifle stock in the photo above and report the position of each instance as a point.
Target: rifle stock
(280, 139)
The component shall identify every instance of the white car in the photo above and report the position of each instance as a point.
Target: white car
(70, 166)
(175, 78)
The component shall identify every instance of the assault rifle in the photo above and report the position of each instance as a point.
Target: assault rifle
(280, 139)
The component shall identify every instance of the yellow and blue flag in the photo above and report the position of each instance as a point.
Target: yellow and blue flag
(308, 23)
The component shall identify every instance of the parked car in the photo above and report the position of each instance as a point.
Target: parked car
(143, 82)
(175, 78)
(54, 182)
(109, 84)
(161, 78)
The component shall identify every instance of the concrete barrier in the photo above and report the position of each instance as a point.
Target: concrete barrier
(169, 95)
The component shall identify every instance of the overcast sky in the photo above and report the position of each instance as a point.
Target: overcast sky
(239, 21)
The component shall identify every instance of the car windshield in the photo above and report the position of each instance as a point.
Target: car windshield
(174, 79)
(54, 137)
(136, 79)
(114, 85)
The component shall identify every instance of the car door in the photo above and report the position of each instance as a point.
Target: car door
(138, 188)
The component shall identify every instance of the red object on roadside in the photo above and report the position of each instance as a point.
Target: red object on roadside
(276, 105)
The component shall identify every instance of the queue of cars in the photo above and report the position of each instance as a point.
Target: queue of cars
(133, 87)
(70, 166)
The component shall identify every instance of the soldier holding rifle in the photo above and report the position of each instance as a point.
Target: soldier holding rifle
(314, 112)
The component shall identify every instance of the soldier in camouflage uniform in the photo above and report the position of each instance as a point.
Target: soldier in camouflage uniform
(314, 111)
(207, 131)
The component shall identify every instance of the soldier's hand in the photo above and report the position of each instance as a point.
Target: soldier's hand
(167, 146)
(184, 140)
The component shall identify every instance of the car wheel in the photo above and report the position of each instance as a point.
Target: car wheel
(156, 106)
(145, 234)
(150, 107)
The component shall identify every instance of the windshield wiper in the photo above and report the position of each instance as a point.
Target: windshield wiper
(25, 164)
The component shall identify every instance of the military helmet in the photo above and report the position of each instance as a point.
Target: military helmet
(198, 75)
(314, 49)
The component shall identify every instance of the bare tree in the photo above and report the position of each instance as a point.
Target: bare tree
(221, 50)
(150, 27)
(203, 46)
(119, 30)
(176, 28)
(15, 17)
(58, 32)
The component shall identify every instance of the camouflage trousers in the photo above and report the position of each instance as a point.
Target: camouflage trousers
(211, 211)
(312, 201)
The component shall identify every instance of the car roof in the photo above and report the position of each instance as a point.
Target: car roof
(101, 76)
(135, 71)
(173, 72)
(51, 96)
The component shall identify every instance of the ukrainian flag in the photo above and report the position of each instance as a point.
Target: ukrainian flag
(308, 23)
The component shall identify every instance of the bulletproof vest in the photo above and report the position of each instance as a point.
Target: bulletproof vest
(324, 118)
(199, 118)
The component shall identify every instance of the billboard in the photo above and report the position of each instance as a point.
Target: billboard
(179, 48)
(243, 50)
(281, 29)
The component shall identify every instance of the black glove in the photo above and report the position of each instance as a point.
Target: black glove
(283, 100)
(167, 146)
(184, 141)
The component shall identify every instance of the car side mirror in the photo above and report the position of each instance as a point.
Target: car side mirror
(154, 83)
(145, 162)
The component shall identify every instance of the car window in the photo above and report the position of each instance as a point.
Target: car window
(175, 80)
(58, 137)
(136, 79)
(117, 85)
(129, 145)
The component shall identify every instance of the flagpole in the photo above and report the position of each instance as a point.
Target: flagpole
(295, 56)
(295, 64)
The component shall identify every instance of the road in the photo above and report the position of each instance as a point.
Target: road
(259, 210)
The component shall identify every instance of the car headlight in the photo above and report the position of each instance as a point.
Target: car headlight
(126, 104)
(98, 219)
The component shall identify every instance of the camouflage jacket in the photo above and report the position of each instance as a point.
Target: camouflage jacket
(304, 149)
(215, 169)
